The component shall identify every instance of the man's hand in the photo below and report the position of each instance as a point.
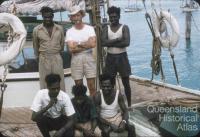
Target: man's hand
(89, 133)
(114, 127)
(121, 126)
(59, 133)
(52, 101)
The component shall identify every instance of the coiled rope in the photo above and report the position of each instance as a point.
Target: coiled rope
(156, 63)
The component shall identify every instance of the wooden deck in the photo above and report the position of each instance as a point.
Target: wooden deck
(16, 122)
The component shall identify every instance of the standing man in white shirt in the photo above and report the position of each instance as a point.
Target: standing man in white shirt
(81, 39)
(53, 110)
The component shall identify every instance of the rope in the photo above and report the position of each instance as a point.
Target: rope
(3, 85)
(156, 63)
(156, 53)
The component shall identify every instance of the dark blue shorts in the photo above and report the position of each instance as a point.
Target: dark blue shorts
(117, 63)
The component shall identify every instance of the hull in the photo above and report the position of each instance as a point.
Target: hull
(22, 88)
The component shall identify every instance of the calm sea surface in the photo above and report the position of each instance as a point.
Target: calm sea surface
(187, 56)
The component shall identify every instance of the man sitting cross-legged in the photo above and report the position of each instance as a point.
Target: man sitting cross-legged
(108, 101)
(85, 113)
(53, 110)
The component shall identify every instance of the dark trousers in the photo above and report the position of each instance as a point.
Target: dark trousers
(46, 124)
(119, 63)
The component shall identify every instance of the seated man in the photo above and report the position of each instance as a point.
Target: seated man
(85, 113)
(53, 110)
(108, 101)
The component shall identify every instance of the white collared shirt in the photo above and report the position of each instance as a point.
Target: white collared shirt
(63, 106)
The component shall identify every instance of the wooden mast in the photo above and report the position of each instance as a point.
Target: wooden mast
(96, 22)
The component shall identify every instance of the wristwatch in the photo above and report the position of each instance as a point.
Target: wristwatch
(124, 121)
(79, 44)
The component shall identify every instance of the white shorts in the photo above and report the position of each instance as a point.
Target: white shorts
(83, 64)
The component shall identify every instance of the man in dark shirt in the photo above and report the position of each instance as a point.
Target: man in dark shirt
(85, 112)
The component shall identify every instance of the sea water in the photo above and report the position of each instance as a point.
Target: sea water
(187, 57)
(186, 54)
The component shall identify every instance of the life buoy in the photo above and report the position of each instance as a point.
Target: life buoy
(159, 26)
(19, 37)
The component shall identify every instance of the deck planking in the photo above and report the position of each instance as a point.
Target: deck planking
(16, 122)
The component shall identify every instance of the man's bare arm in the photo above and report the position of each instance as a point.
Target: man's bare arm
(76, 47)
(90, 43)
(68, 125)
(122, 42)
(36, 115)
(123, 107)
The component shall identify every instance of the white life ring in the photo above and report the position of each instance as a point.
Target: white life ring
(19, 38)
(171, 40)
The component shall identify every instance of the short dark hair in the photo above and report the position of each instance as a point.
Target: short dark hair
(113, 9)
(79, 90)
(45, 9)
(52, 78)
(104, 77)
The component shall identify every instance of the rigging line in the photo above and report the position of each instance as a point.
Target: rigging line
(156, 52)
(3, 85)
(148, 18)
(156, 62)
(174, 65)
(172, 57)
